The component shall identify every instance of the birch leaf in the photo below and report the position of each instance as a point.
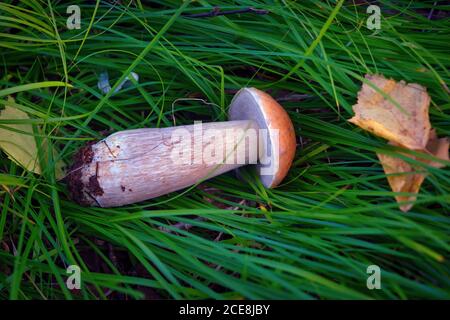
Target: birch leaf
(21, 147)
(403, 177)
(405, 122)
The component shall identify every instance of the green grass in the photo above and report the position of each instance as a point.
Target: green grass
(311, 238)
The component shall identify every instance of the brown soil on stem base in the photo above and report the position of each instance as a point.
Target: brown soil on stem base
(75, 182)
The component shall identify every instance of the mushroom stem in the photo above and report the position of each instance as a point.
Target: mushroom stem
(134, 165)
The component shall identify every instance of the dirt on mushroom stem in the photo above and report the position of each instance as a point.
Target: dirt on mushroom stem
(84, 156)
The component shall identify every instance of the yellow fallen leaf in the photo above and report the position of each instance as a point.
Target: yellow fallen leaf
(403, 177)
(21, 147)
(408, 125)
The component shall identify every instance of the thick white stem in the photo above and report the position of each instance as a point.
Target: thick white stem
(135, 165)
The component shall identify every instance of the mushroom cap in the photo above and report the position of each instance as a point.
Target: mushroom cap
(256, 105)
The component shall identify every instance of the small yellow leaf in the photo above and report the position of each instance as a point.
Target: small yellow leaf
(408, 125)
(21, 147)
(403, 177)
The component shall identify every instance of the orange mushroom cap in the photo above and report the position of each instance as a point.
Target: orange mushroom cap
(256, 105)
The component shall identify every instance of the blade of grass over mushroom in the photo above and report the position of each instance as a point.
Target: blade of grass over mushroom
(313, 237)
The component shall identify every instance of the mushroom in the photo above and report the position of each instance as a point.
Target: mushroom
(134, 165)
